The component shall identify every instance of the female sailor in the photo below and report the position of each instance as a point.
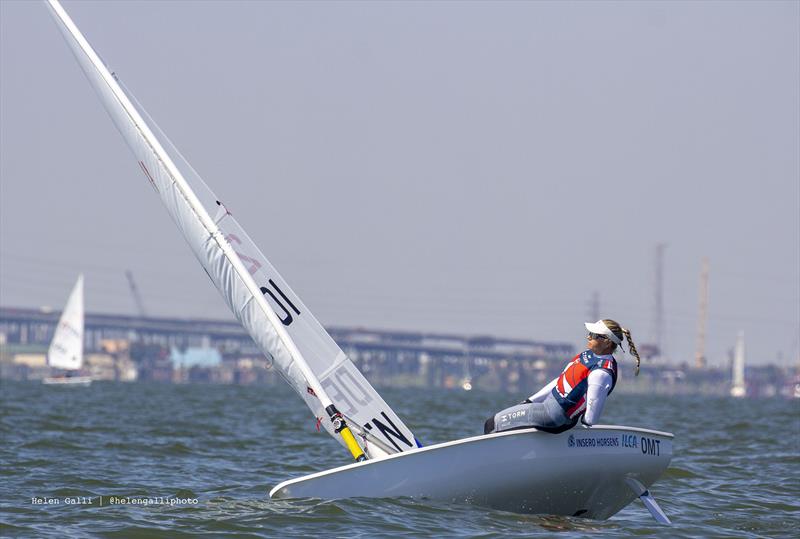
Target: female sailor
(579, 392)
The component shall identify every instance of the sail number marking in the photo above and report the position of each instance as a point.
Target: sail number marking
(344, 389)
(342, 386)
(288, 319)
(391, 434)
(253, 266)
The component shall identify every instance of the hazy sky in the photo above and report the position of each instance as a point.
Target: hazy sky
(466, 167)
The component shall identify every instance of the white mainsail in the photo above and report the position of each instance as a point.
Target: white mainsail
(273, 315)
(738, 387)
(66, 348)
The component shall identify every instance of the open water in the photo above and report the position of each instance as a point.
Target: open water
(207, 455)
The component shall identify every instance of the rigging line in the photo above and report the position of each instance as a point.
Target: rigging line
(103, 294)
(100, 279)
(370, 436)
(49, 262)
(363, 304)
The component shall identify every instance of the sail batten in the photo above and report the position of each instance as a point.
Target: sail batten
(276, 319)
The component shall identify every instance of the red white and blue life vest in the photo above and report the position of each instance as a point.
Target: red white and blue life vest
(573, 382)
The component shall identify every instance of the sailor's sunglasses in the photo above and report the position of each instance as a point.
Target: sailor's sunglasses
(597, 337)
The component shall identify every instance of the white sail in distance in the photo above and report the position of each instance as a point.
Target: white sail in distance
(272, 314)
(66, 348)
(738, 387)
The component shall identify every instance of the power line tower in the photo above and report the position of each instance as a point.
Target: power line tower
(135, 293)
(658, 304)
(594, 307)
(700, 348)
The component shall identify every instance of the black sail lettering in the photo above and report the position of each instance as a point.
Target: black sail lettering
(276, 287)
(386, 431)
(286, 321)
(338, 397)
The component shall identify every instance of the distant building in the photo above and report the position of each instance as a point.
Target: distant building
(195, 357)
(197, 365)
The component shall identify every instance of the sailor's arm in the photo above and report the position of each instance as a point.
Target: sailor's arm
(540, 395)
(600, 383)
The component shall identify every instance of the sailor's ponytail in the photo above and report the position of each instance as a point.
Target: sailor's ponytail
(632, 348)
(621, 332)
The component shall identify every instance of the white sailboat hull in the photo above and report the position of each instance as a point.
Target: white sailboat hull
(68, 381)
(589, 472)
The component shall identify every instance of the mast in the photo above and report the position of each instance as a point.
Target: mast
(127, 118)
(702, 318)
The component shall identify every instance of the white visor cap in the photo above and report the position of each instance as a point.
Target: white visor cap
(601, 328)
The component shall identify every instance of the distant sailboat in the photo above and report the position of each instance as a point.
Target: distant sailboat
(466, 380)
(738, 387)
(66, 348)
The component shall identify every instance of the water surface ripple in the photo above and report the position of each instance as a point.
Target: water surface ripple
(734, 474)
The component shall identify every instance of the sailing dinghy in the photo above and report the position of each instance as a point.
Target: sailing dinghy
(592, 473)
(66, 348)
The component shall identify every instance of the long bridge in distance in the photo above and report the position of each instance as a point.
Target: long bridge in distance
(368, 348)
(157, 348)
